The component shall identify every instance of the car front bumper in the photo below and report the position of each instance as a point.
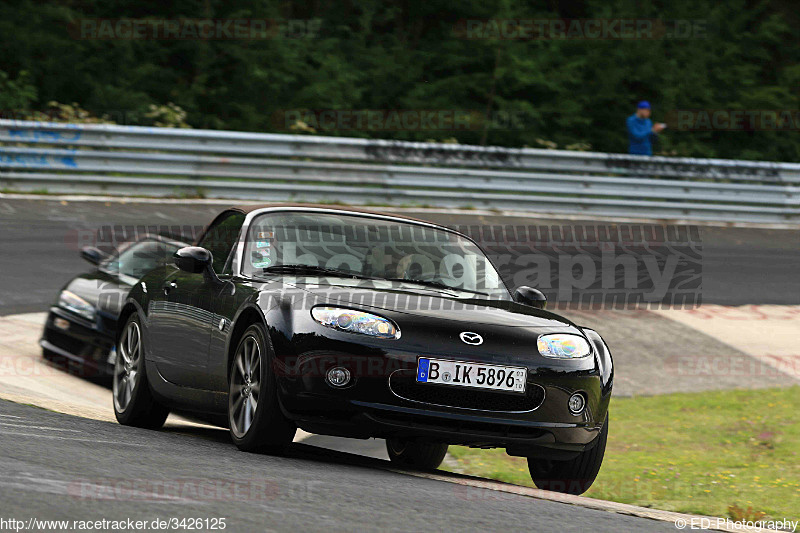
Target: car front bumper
(371, 406)
(80, 341)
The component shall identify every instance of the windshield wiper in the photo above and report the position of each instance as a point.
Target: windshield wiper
(437, 284)
(309, 269)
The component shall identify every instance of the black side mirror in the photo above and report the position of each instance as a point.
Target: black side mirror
(530, 296)
(193, 259)
(92, 255)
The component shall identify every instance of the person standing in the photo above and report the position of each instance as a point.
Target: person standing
(642, 131)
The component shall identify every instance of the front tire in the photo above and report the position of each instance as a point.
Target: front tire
(134, 404)
(254, 415)
(574, 476)
(416, 454)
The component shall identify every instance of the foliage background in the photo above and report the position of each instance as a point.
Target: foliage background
(372, 54)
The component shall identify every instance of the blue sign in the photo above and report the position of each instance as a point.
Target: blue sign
(422, 369)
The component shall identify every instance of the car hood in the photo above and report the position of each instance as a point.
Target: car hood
(101, 290)
(442, 304)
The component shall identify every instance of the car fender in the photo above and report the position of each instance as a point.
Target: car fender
(136, 301)
(244, 312)
(276, 317)
(603, 359)
(130, 307)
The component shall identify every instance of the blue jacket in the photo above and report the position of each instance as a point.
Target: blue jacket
(640, 135)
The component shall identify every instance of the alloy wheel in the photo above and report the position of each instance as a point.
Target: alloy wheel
(245, 385)
(127, 366)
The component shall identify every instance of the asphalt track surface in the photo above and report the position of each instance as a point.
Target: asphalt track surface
(59, 467)
(40, 251)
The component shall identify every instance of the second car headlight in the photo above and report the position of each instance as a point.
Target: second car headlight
(563, 346)
(72, 302)
(356, 322)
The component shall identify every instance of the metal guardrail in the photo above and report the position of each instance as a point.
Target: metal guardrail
(109, 159)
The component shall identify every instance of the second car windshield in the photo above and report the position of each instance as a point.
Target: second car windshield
(368, 248)
(140, 258)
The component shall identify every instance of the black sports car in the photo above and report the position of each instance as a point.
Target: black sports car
(82, 323)
(355, 324)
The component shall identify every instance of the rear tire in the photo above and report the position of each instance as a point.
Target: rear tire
(574, 476)
(134, 404)
(416, 454)
(255, 419)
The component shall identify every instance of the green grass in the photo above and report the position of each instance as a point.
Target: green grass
(732, 453)
(5, 190)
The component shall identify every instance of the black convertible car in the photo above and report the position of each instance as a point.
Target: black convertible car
(349, 323)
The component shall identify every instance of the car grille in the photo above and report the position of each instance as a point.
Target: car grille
(408, 389)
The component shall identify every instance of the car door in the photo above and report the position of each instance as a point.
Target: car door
(183, 313)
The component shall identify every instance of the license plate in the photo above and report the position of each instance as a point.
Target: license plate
(475, 375)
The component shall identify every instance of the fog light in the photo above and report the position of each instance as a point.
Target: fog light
(576, 403)
(338, 376)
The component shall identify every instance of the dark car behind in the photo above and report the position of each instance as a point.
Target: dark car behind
(82, 321)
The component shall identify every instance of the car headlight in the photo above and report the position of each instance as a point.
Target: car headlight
(563, 346)
(72, 302)
(356, 322)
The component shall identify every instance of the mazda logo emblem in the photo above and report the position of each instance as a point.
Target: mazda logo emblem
(471, 338)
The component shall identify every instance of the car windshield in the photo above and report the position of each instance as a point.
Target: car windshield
(327, 245)
(140, 258)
